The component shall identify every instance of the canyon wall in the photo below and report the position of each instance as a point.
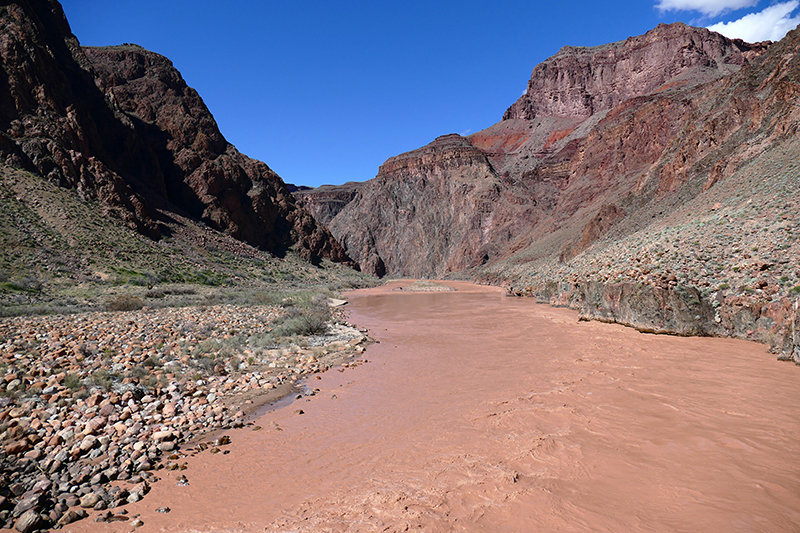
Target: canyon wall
(619, 183)
(120, 125)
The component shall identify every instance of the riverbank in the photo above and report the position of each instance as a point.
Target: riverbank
(480, 412)
(92, 400)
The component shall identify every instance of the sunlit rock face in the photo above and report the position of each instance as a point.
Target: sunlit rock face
(590, 126)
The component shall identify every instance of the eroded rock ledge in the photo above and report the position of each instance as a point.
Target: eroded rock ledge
(680, 311)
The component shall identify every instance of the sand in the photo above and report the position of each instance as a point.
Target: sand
(479, 412)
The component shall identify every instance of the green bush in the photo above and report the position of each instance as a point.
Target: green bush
(306, 324)
(72, 382)
(103, 379)
(124, 302)
(267, 298)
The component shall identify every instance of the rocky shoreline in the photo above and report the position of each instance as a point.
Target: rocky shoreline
(681, 311)
(92, 406)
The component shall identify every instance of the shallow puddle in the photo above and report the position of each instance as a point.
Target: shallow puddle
(478, 412)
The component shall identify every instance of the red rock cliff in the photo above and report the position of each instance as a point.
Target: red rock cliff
(582, 81)
(595, 125)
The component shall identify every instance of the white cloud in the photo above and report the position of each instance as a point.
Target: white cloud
(711, 8)
(768, 25)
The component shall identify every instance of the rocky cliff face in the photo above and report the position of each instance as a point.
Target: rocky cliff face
(592, 189)
(56, 123)
(582, 81)
(708, 243)
(326, 201)
(592, 123)
(120, 124)
(435, 200)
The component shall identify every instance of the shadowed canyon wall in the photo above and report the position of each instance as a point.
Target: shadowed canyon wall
(120, 124)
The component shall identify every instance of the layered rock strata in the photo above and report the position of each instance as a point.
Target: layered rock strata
(611, 152)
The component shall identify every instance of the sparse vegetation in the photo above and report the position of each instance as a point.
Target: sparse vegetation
(125, 302)
(60, 254)
(72, 382)
(103, 378)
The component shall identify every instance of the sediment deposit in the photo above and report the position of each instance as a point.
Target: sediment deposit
(479, 412)
(95, 405)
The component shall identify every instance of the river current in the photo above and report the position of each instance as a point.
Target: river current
(481, 412)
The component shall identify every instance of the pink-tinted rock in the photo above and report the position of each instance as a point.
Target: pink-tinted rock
(17, 447)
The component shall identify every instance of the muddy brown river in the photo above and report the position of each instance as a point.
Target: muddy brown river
(479, 412)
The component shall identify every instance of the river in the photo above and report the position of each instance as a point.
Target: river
(480, 412)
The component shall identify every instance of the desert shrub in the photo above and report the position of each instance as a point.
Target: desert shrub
(149, 382)
(124, 302)
(182, 290)
(205, 347)
(155, 293)
(153, 279)
(306, 324)
(103, 379)
(26, 284)
(138, 373)
(261, 340)
(73, 382)
(267, 298)
(206, 363)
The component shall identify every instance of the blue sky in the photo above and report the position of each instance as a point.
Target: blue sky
(325, 92)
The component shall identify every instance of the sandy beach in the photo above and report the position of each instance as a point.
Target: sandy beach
(480, 412)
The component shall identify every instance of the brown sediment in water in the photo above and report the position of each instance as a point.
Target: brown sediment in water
(479, 412)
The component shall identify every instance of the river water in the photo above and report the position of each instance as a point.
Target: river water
(480, 412)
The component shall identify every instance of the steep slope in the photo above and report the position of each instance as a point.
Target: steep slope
(55, 122)
(537, 155)
(599, 177)
(326, 201)
(121, 125)
(710, 242)
(426, 211)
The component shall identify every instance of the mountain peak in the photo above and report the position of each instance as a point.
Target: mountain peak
(581, 81)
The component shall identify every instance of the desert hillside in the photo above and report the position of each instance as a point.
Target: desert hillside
(651, 182)
(120, 125)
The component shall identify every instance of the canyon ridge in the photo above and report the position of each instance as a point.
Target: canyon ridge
(650, 182)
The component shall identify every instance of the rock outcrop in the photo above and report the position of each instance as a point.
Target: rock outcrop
(592, 122)
(119, 124)
(456, 185)
(326, 201)
(592, 190)
(582, 81)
